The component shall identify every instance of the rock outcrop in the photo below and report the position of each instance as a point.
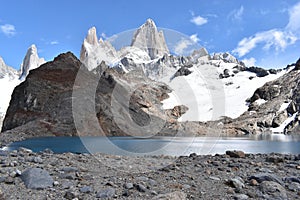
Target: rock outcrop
(63, 97)
(30, 61)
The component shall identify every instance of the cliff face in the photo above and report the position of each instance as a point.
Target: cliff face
(63, 97)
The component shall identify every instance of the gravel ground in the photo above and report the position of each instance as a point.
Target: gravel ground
(234, 175)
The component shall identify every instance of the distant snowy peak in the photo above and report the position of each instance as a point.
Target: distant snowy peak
(149, 39)
(6, 71)
(30, 61)
(226, 57)
(94, 51)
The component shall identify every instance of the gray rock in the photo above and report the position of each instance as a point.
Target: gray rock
(177, 195)
(69, 169)
(240, 197)
(37, 160)
(266, 177)
(106, 193)
(141, 188)
(294, 187)
(273, 190)
(70, 195)
(86, 189)
(237, 182)
(128, 185)
(214, 178)
(292, 179)
(36, 178)
(9, 180)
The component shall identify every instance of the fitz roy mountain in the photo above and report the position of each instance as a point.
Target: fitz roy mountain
(199, 94)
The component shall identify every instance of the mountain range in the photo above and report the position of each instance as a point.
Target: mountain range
(198, 94)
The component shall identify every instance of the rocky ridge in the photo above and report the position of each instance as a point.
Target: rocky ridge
(44, 103)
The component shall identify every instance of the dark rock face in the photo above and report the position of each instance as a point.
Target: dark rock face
(297, 65)
(60, 92)
(183, 71)
(260, 72)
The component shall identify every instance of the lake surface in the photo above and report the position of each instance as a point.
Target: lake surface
(163, 145)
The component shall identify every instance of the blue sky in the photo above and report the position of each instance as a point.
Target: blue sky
(264, 32)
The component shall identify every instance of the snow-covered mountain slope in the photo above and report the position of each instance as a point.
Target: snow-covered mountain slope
(9, 78)
(209, 96)
(30, 61)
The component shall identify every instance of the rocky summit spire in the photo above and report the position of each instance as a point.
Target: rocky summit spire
(30, 61)
(149, 39)
(94, 51)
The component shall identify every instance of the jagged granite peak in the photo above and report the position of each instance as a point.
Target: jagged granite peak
(94, 51)
(6, 70)
(30, 61)
(149, 39)
(91, 37)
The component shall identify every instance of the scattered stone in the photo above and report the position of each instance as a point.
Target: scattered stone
(253, 182)
(266, 177)
(240, 197)
(274, 159)
(214, 178)
(236, 182)
(273, 190)
(24, 150)
(106, 193)
(294, 187)
(86, 189)
(37, 160)
(55, 183)
(128, 185)
(70, 195)
(9, 180)
(141, 188)
(236, 154)
(69, 169)
(177, 195)
(36, 178)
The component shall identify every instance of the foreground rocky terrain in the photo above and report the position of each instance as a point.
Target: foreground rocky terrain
(234, 175)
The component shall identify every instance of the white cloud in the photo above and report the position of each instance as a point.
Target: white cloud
(55, 42)
(279, 39)
(181, 46)
(8, 29)
(272, 38)
(195, 38)
(294, 20)
(237, 14)
(198, 20)
(249, 62)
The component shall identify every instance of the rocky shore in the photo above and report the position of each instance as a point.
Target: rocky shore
(234, 175)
